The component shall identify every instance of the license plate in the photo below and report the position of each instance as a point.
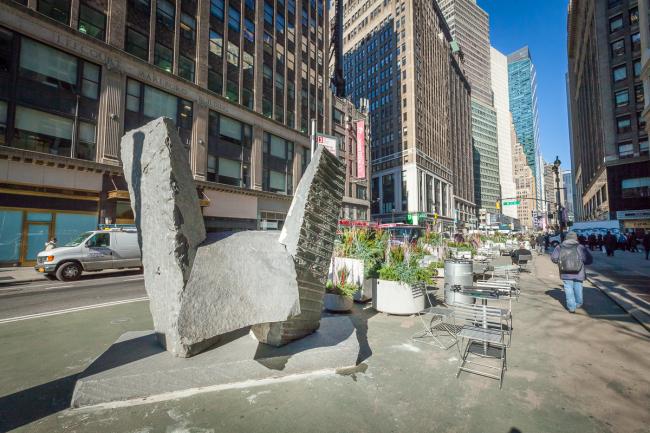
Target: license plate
(41, 269)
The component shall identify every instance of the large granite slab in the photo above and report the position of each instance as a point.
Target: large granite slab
(136, 367)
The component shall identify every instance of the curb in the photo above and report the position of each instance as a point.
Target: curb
(21, 280)
(640, 315)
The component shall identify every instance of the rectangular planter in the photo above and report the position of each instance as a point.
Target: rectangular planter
(356, 273)
(395, 297)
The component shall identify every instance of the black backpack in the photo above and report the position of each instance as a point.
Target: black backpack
(570, 259)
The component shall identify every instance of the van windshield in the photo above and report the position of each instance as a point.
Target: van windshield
(78, 240)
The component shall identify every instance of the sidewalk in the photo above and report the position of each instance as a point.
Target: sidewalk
(19, 274)
(626, 279)
(583, 372)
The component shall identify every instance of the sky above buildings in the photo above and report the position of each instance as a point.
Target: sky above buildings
(542, 26)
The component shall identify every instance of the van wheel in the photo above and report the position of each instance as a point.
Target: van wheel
(68, 271)
(50, 276)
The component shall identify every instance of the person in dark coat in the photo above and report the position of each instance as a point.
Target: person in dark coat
(646, 243)
(573, 281)
(592, 241)
(610, 244)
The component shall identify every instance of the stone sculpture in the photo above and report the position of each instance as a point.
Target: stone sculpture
(203, 286)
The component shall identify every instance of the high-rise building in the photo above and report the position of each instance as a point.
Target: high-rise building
(499, 78)
(524, 183)
(567, 194)
(611, 165)
(522, 84)
(398, 55)
(470, 28)
(240, 79)
(549, 193)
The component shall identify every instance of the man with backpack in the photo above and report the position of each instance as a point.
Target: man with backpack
(572, 258)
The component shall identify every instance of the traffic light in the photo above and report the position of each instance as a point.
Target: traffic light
(498, 204)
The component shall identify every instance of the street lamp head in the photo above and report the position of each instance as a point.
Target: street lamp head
(557, 162)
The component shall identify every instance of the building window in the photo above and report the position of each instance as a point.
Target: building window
(618, 48)
(215, 81)
(229, 151)
(638, 94)
(636, 42)
(233, 54)
(613, 3)
(137, 44)
(217, 9)
(637, 68)
(166, 13)
(216, 43)
(616, 23)
(249, 30)
(163, 57)
(643, 147)
(362, 192)
(58, 10)
(388, 193)
(636, 188)
(234, 18)
(278, 164)
(232, 91)
(186, 68)
(623, 124)
(634, 16)
(622, 98)
(640, 121)
(92, 22)
(268, 13)
(188, 27)
(620, 73)
(625, 150)
(90, 81)
(43, 132)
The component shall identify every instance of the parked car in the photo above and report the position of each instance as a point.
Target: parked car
(91, 251)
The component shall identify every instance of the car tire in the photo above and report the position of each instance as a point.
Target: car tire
(50, 276)
(70, 271)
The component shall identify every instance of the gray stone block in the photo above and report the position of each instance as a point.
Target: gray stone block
(135, 367)
(309, 233)
(201, 289)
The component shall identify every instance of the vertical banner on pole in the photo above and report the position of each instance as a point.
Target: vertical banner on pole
(361, 149)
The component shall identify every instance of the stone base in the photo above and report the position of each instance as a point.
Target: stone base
(137, 367)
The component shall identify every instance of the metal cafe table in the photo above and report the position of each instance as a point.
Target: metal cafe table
(484, 294)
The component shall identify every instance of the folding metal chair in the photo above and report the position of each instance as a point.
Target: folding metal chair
(483, 336)
(440, 318)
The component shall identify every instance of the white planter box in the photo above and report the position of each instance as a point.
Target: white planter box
(394, 297)
(337, 303)
(356, 273)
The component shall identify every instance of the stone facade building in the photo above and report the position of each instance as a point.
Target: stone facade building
(398, 55)
(524, 183)
(350, 125)
(611, 166)
(470, 27)
(241, 80)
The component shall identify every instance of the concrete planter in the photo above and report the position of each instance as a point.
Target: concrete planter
(337, 303)
(395, 297)
(355, 275)
(364, 294)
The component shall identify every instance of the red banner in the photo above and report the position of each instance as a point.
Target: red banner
(361, 149)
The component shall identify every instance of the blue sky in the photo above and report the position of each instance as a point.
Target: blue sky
(542, 26)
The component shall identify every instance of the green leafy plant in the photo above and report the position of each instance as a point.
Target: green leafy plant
(341, 286)
(363, 244)
(402, 265)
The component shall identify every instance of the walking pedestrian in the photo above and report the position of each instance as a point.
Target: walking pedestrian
(540, 243)
(592, 241)
(632, 242)
(610, 243)
(572, 258)
(646, 243)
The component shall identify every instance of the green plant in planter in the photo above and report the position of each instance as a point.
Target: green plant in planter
(341, 286)
(402, 265)
(363, 244)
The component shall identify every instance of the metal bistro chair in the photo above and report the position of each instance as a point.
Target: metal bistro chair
(523, 260)
(482, 336)
(440, 317)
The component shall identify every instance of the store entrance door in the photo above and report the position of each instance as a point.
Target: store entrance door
(36, 232)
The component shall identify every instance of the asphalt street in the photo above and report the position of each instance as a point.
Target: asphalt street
(40, 299)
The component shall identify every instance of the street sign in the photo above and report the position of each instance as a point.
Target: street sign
(511, 203)
(329, 142)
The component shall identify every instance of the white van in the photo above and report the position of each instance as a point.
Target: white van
(91, 251)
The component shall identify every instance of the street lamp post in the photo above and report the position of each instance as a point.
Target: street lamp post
(556, 170)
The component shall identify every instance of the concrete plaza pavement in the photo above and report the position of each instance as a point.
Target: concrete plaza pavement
(584, 372)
